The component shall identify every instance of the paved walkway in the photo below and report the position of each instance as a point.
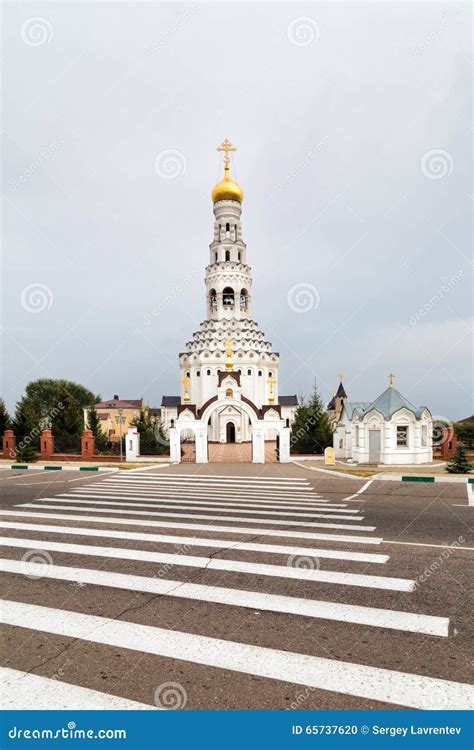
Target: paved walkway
(231, 453)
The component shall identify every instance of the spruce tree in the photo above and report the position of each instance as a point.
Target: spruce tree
(459, 463)
(311, 431)
(5, 419)
(93, 423)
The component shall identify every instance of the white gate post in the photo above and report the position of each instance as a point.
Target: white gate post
(201, 444)
(132, 444)
(175, 445)
(258, 445)
(284, 448)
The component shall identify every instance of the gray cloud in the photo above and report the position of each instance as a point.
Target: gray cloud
(333, 135)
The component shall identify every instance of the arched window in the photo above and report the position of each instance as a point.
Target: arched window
(249, 372)
(208, 372)
(172, 423)
(227, 227)
(198, 374)
(260, 373)
(213, 298)
(243, 299)
(188, 375)
(287, 423)
(270, 374)
(238, 255)
(228, 297)
(227, 255)
(215, 259)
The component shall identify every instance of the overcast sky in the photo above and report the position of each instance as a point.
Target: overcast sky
(353, 125)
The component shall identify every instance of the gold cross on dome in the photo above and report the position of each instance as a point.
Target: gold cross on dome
(226, 146)
(391, 378)
(341, 376)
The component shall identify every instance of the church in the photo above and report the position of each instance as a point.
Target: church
(388, 430)
(228, 369)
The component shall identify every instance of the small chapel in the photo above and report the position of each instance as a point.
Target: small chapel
(228, 369)
(388, 430)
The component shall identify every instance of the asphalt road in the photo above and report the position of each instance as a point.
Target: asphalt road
(368, 603)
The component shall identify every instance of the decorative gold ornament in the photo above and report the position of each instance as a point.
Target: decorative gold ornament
(341, 376)
(271, 382)
(229, 363)
(186, 381)
(391, 378)
(227, 189)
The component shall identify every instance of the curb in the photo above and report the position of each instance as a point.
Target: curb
(391, 477)
(33, 467)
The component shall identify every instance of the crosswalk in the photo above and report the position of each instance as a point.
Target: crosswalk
(234, 551)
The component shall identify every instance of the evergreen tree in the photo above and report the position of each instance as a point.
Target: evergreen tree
(310, 431)
(152, 441)
(5, 419)
(459, 463)
(93, 423)
(67, 425)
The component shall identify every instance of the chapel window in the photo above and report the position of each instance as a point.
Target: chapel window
(402, 436)
(227, 255)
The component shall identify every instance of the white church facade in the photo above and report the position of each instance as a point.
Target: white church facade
(389, 430)
(228, 369)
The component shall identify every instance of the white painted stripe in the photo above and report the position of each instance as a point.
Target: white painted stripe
(267, 504)
(192, 541)
(218, 492)
(145, 503)
(383, 618)
(422, 544)
(23, 690)
(228, 486)
(359, 492)
(211, 563)
(40, 503)
(373, 683)
(220, 489)
(198, 527)
(222, 478)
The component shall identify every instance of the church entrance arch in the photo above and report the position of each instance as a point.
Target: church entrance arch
(230, 432)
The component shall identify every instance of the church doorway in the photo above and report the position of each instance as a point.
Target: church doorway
(230, 432)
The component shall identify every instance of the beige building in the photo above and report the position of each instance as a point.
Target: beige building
(116, 416)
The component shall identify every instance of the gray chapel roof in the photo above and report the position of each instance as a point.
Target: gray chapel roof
(361, 406)
(391, 401)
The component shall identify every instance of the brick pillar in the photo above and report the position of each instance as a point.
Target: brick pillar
(46, 445)
(9, 443)
(449, 444)
(87, 444)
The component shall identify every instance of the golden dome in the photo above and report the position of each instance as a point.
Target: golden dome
(227, 189)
